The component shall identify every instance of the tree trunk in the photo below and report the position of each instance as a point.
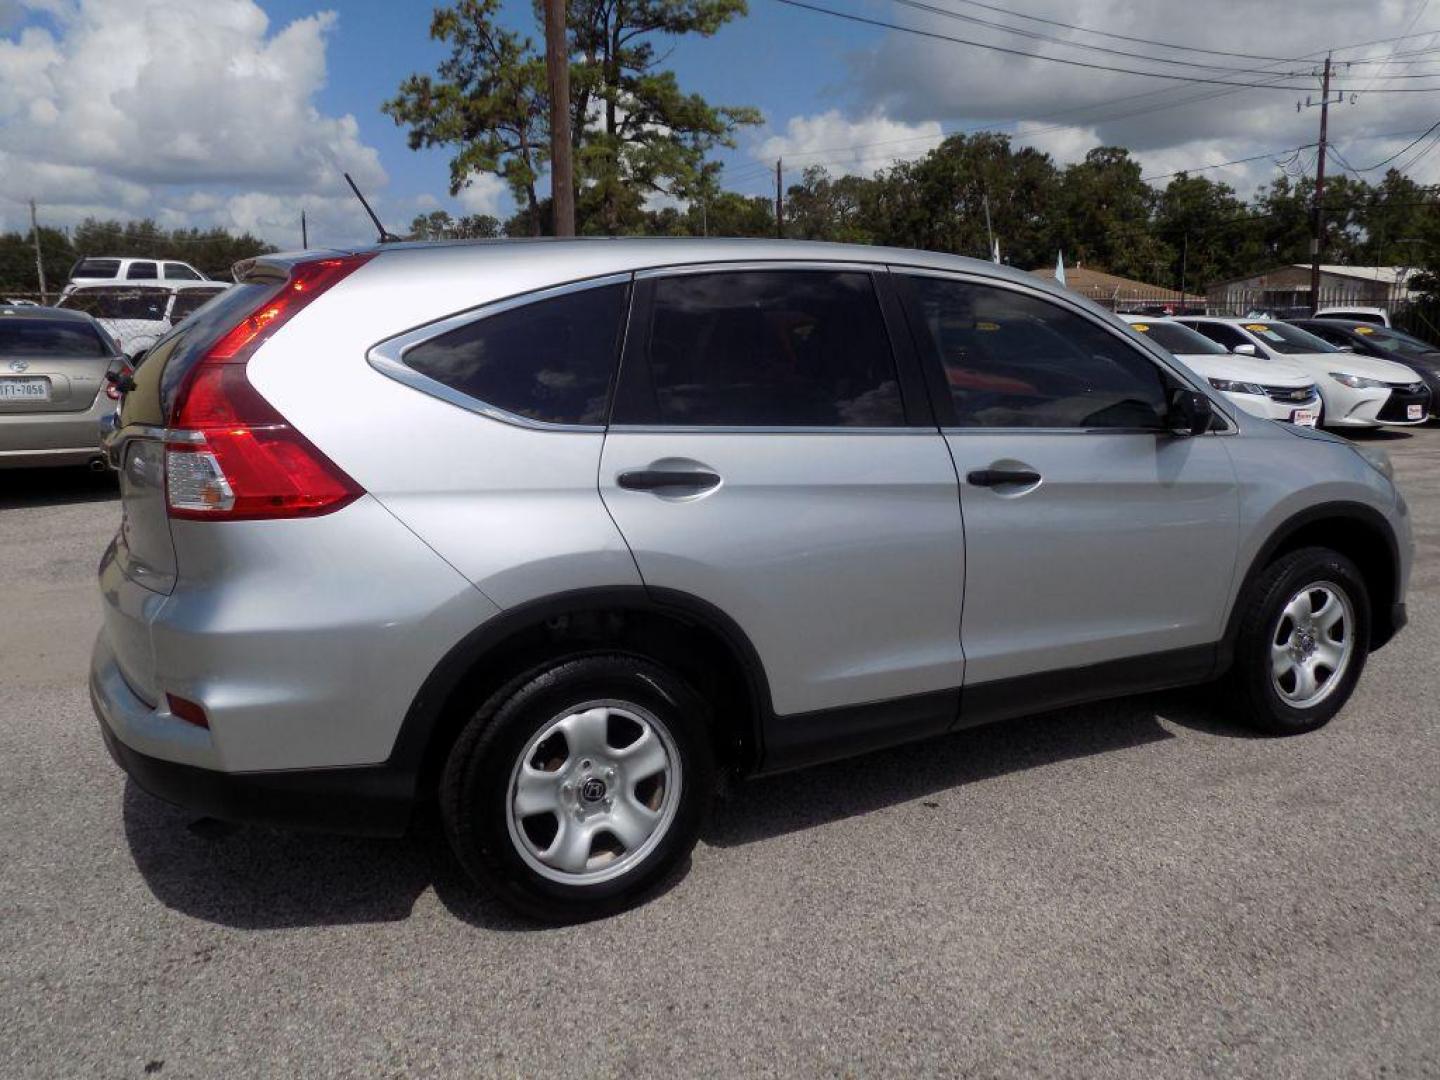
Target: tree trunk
(612, 91)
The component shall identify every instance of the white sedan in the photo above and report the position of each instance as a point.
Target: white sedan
(1269, 388)
(1358, 391)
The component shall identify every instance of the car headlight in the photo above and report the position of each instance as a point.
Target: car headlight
(1231, 386)
(1356, 382)
(1377, 459)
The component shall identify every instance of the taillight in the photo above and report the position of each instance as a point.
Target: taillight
(229, 455)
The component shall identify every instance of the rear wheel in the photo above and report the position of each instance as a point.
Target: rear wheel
(1303, 642)
(576, 789)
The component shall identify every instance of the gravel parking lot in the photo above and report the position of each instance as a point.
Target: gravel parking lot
(1136, 888)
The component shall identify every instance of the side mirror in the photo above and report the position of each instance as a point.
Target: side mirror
(1191, 413)
(1245, 350)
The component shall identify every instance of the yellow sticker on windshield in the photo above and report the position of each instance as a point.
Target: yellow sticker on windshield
(987, 326)
(1140, 326)
(1256, 328)
(1364, 330)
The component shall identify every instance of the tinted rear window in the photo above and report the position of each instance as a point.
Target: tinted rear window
(180, 272)
(549, 360)
(49, 337)
(96, 268)
(119, 302)
(772, 348)
(141, 271)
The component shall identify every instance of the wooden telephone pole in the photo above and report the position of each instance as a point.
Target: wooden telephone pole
(1317, 232)
(557, 66)
(39, 259)
(779, 203)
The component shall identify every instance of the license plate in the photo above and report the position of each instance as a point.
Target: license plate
(12, 389)
(1414, 412)
(1303, 417)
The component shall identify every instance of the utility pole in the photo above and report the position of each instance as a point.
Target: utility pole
(557, 66)
(1184, 255)
(39, 259)
(1318, 229)
(304, 233)
(779, 204)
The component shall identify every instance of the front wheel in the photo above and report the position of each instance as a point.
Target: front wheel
(576, 789)
(1303, 642)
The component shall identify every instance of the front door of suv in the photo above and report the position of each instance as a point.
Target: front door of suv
(1093, 536)
(767, 456)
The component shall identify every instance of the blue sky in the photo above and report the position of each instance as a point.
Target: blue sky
(243, 113)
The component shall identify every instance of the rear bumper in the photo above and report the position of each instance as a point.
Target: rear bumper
(59, 438)
(369, 800)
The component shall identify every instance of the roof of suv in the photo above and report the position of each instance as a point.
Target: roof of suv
(639, 253)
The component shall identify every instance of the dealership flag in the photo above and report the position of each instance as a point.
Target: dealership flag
(1060, 267)
(995, 252)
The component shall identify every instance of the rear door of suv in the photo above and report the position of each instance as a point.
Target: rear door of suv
(772, 451)
(1098, 545)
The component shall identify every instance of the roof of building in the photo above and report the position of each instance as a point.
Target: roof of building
(1389, 275)
(1096, 284)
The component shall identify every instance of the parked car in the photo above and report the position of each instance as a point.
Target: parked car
(54, 394)
(1271, 389)
(1357, 391)
(109, 269)
(138, 315)
(551, 533)
(1386, 343)
(16, 302)
(1375, 316)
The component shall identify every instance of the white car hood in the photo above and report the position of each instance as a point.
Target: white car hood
(1371, 367)
(1247, 369)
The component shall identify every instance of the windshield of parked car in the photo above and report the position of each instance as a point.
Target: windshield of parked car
(1393, 341)
(1180, 340)
(49, 337)
(1284, 338)
(119, 302)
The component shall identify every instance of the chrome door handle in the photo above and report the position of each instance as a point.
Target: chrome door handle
(661, 479)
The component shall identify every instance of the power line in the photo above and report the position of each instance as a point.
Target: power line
(1167, 44)
(1407, 146)
(1223, 164)
(848, 16)
(1035, 36)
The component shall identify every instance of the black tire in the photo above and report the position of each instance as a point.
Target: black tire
(475, 788)
(1250, 687)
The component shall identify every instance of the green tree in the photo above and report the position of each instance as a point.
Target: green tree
(489, 103)
(1106, 212)
(1199, 220)
(436, 225)
(649, 136)
(17, 262)
(821, 207)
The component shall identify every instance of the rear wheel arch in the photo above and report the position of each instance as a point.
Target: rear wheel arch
(1356, 531)
(679, 631)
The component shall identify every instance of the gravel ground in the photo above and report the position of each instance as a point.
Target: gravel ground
(1132, 889)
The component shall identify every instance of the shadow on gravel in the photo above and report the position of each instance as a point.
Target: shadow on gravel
(256, 878)
(1377, 435)
(21, 488)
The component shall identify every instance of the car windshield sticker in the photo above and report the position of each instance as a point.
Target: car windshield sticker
(1263, 331)
(987, 326)
(1363, 330)
(1140, 326)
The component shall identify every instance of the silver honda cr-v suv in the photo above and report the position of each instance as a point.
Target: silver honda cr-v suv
(551, 534)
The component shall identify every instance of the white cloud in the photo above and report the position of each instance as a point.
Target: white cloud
(483, 195)
(1066, 110)
(844, 146)
(197, 113)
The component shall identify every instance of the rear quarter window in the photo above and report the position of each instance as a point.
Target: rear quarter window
(551, 360)
(96, 268)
